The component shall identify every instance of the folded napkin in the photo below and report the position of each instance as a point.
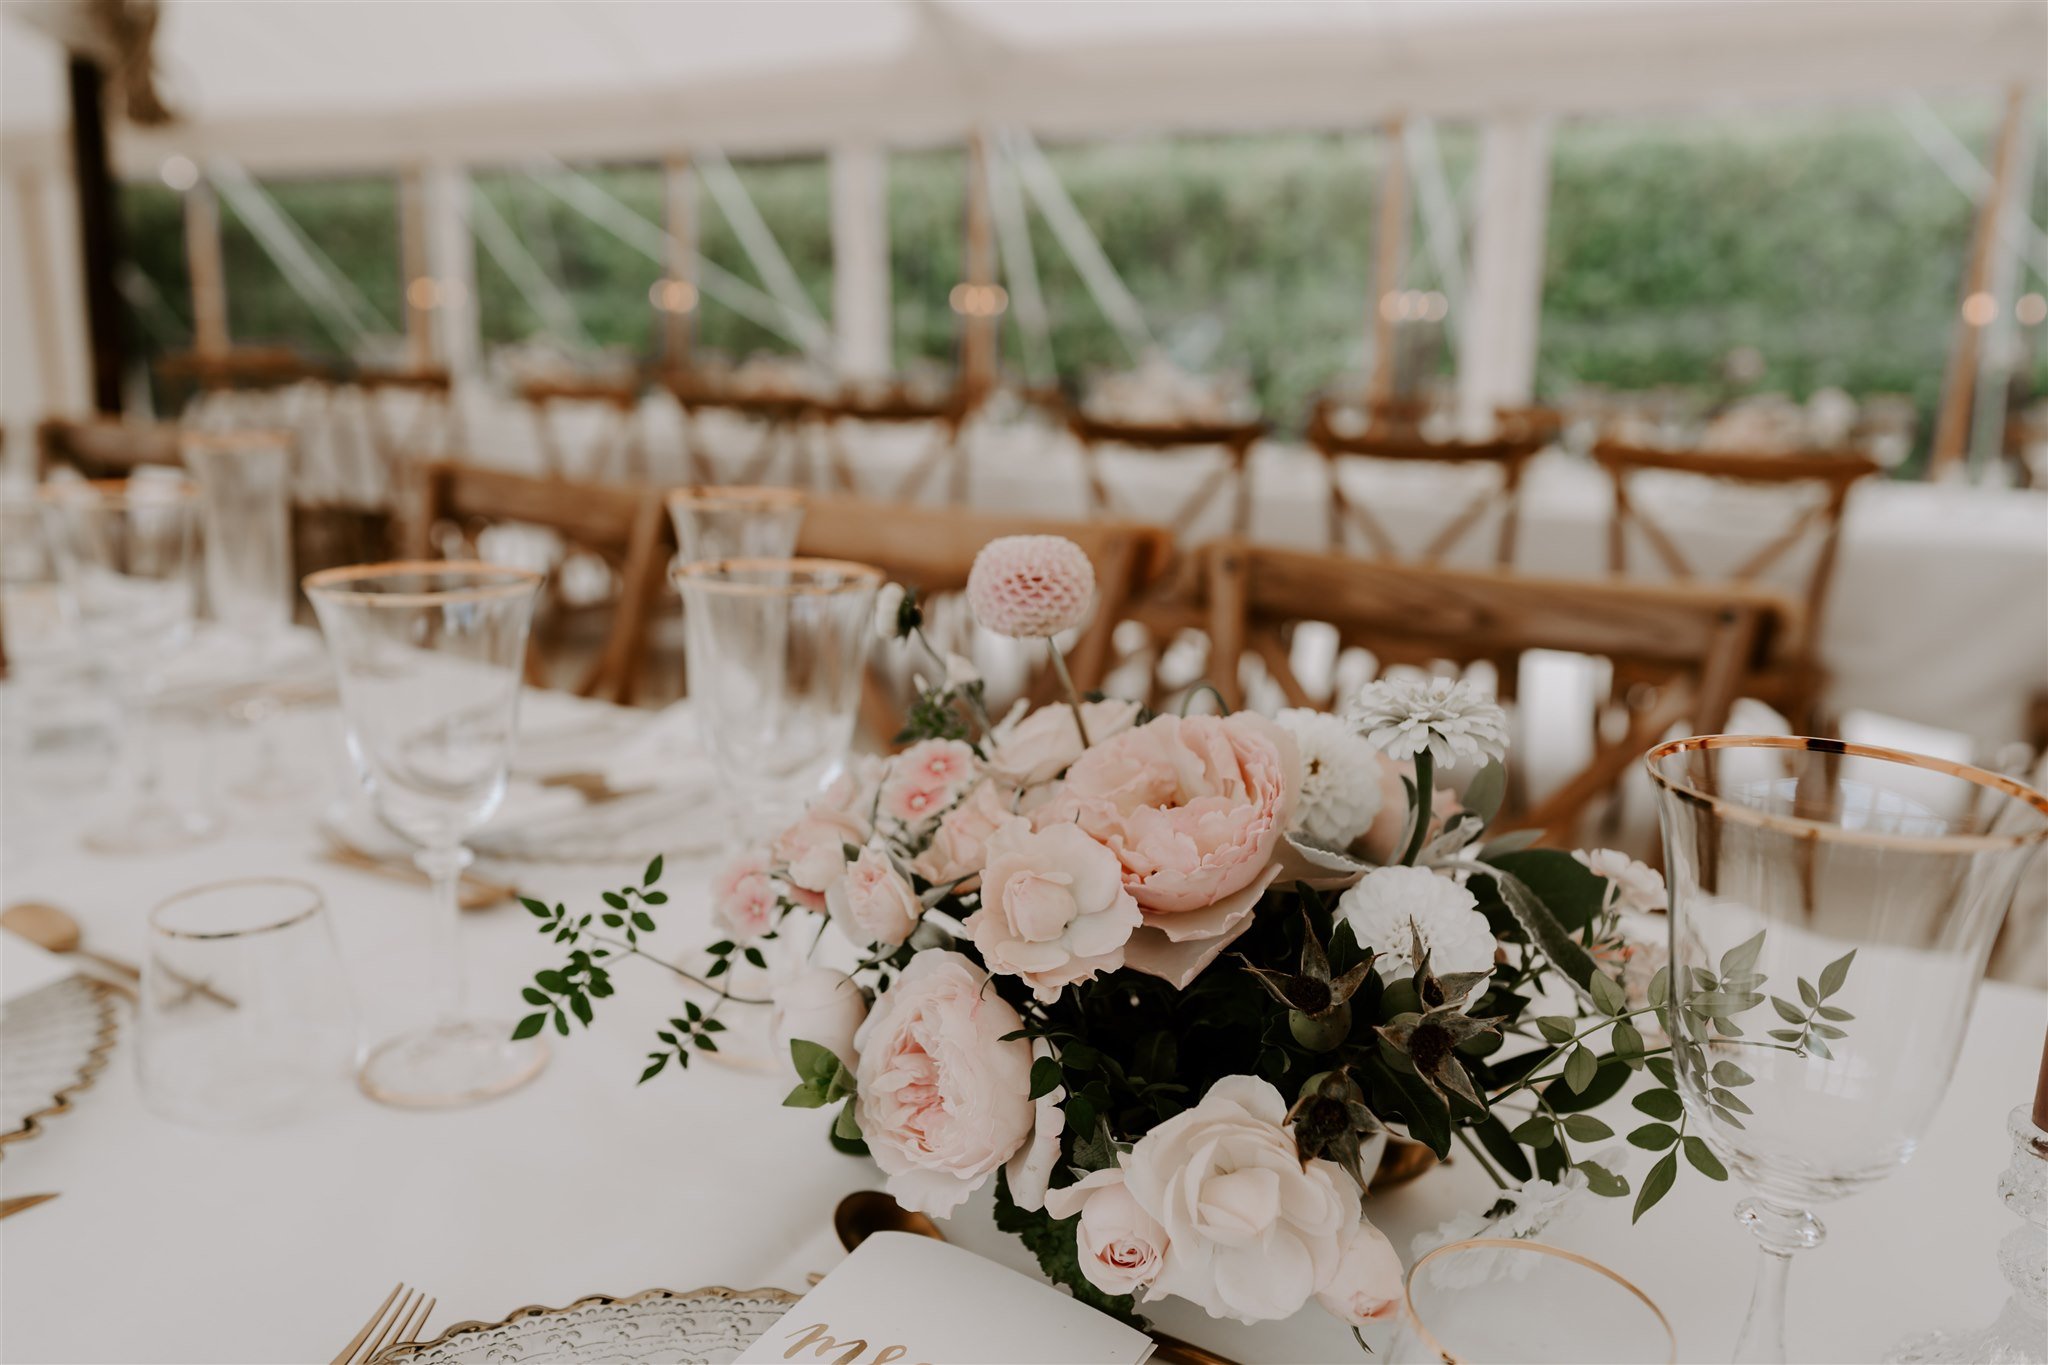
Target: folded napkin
(24, 967)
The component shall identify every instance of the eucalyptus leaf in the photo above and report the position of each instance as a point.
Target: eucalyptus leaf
(1742, 957)
(1660, 1104)
(1608, 994)
(1579, 1067)
(1703, 1159)
(1534, 1133)
(1835, 974)
(1653, 1137)
(1585, 1128)
(1656, 1184)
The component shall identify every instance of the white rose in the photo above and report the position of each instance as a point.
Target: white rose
(1390, 904)
(1369, 1282)
(873, 902)
(1054, 909)
(1031, 1168)
(820, 1006)
(1637, 886)
(1252, 1230)
(1121, 1246)
(943, 1100)
(1034, 748)
(814, 848)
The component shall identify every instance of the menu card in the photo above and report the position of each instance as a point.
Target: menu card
(919, 1301)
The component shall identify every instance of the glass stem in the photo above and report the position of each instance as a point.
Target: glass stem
(1780, 1232)
(444, 867)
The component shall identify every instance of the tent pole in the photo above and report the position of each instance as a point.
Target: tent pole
(978, 328)
(860, 259)
(679, 201)
(1504, 300)
(1390, 263)
(1952, 426)
(203, 264)
(99, 230)
(450, 248)
(412, 255)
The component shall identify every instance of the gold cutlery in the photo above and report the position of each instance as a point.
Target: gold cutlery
(475, 893)
(10, 1207)
(866, 1212)
(55, 930)
(388, 1326)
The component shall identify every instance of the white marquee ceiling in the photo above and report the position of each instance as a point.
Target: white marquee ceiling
(333, 83)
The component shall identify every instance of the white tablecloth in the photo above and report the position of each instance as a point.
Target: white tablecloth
(171, 1243)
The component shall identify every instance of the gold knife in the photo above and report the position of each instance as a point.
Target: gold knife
(10, 1207)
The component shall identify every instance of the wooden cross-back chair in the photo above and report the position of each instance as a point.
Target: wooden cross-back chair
(1509, 453)
(409, 415)
(617, 443)
(780, 417)
(624, 525)
(1706, 643)
(1171, 440)
(943, 455)
(1796, 682)
(932, 549)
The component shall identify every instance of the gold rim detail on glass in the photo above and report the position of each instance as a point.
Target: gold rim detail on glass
(1738, 813)
(280, 883)
(705, 572)
(340, 584)
(406, 1352)
(736, 496)
(1518, 1245)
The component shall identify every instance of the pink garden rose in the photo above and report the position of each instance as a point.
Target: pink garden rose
(743, 897)
(814, 848)
(1122, 1247)
(873, 903)
(1252, 1230)
(943, 1100)
(1053, 908)
(1369, 1281)
(1029, 747)
(959, 846)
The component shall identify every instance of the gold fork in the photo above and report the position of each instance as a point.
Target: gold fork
(388, 1328)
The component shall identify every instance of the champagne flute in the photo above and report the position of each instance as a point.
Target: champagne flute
(125, 549)
(428, 657)
(1832, 908)
(245, 488)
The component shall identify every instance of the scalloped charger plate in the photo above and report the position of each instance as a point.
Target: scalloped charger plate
(53, 1043)
(654, 1327)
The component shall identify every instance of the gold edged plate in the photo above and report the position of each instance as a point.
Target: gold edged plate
(654, 1327)
(54, 1043)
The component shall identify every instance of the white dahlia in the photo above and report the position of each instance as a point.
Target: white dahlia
(1448, 717)
(1340, 778)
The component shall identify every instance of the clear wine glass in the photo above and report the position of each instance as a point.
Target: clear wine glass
(777, 649)
(1832, 908)
(1496, 1300)
(126, 549)
(736, 523)
(245, 484)
(428, 657)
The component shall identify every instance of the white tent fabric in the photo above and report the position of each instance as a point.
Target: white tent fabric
(307, 85)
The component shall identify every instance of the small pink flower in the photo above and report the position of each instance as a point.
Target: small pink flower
(1030, 587)
(935, 763)
(814, 848)
(913, 802)
(743, 897)
(872, 903)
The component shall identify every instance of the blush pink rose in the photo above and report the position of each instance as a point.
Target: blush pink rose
(814, 848)
(943, 1100)
(1193, 808)
(1369, 1282)
(1122, 1247)
(1054, 910)
(873, 902)
(743, 897)
(959, 847)
(1030, 747)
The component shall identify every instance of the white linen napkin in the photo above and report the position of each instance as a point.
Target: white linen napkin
(24, 967)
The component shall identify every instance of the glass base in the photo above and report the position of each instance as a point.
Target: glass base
(153, 827)
(449, 1065)
(270, 785)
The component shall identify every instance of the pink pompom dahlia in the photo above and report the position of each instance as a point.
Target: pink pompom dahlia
(1030, 587)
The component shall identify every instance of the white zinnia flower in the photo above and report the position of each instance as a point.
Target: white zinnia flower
(1404, 716)
(1340, 783)
(1637, 886)
(1389, 905)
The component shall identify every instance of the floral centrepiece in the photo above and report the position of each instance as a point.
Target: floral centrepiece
(1167, 981)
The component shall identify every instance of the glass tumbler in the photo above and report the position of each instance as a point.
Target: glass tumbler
(245, 1017)
(777, 650)
(736, 523)
(1832, 908)
(1497, 1300)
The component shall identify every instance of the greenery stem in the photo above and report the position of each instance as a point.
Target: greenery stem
(1479, 1155)
(618, 946)
(1532, 1078)
(1425, 788)
(1059, 666)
